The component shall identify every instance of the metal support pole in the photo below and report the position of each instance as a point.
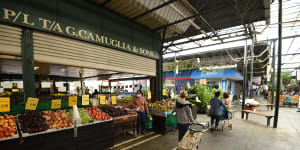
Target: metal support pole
(279, 64)
(28, 64)
(273, 73)
(245, 78)
(175, 74)
(251, 68)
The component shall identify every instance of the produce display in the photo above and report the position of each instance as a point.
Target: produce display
(114, 112)
(57, 119)
(97, 114)
(131, 111)
(7, 126)
(204, 94)
(33, 122)
(161, 106)
(84, 116)
(127, 99)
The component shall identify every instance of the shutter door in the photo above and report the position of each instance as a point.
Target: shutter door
(10, 40)
(49, 48)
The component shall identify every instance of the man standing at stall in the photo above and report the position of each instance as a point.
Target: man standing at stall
(141, 105)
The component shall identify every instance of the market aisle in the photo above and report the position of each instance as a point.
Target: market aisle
(245, 135)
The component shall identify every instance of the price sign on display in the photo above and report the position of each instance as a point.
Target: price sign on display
(165, 92)
(149, 94)
(56, 104)
(102, 99)
(31, 103)
(113, 99)
(72, 100)
(4, 104)
(85, 99)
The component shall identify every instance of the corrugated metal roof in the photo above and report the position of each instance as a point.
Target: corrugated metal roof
(215, 14)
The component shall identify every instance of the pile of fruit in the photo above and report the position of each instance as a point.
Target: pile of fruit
(131, 112)
(114, 112)
(84, 116)
(161, 106)
(33, 122)
(57, 119)
(127, 99)
(7, 126)
(97, 114)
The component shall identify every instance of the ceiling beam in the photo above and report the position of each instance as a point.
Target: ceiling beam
(153, 9)
(193, 16)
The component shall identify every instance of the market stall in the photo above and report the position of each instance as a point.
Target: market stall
(160, 111)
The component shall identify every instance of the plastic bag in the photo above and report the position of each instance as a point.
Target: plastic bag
(148, 124)
(171, 121)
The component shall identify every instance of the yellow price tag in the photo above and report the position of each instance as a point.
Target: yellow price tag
(149, 94)
(15, 90)
(113, 100)
(56, 104)
(102, 100)
(4, 104)
(31, 103)
(72, 100)
(165, 92)
(85, 99)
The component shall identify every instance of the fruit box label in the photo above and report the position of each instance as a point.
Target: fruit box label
(4, 104)
(56, 104)
(31, 103)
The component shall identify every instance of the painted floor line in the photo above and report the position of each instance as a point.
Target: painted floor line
(139, 143)
(128, 141)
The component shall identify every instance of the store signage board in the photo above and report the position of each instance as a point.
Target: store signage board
(56, 104)
(85, 99)
(1, 90)
(203, 81)
(46, 85)
(59, 84)
(62, 89)
(102, 99)
(20, 85)
(4, 104)
(113, 100)
(31, 103)
(72, 100)
(7, 85)
(23, 17)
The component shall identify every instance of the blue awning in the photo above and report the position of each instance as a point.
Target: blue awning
(226, 73)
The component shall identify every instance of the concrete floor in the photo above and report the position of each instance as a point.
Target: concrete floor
(249, 134)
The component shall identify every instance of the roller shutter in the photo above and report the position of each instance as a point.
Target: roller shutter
(49, 48)
(10, 40)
